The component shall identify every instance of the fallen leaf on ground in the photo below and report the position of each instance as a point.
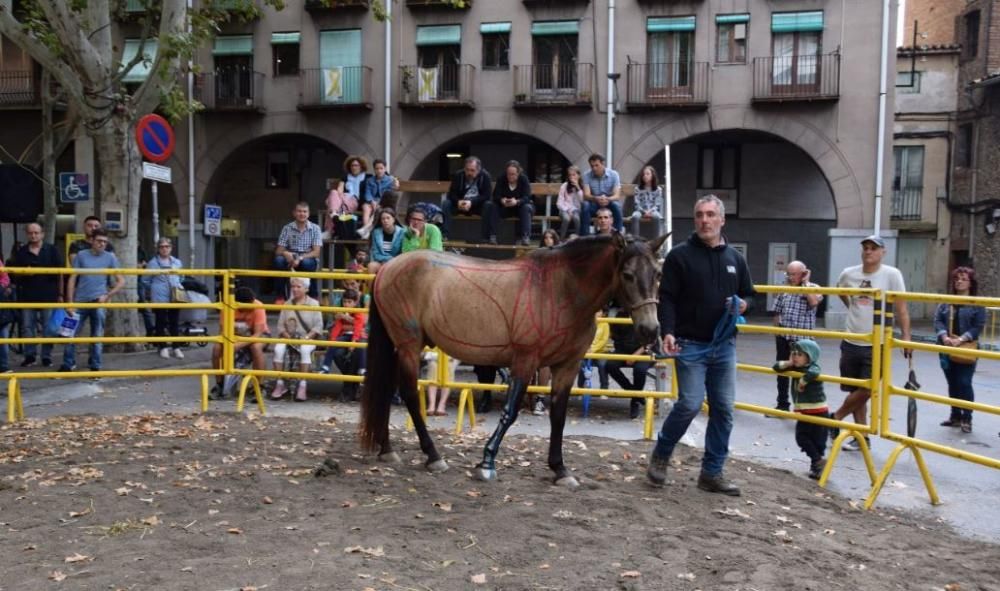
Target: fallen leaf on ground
(686, 576)
(266, 500)
(377, 551)
(234, 530)
(730, 512)
(152, 520)
(631, 574)
(57, 576)
(121, 492)
(443, 506)
(80, 513)
(479, 579)
(77, 557)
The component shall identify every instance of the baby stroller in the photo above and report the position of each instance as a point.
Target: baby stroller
(243, 360)
(192, 321)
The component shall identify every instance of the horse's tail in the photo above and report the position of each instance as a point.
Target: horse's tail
(381, 381)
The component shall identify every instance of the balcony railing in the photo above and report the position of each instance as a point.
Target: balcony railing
(335, 88)
(330, 5)
(554, 85)
(449, 85)
(906, 203)
(231, 90)
(436, 3)
(19, 88)
(796, 78)
(677, 85)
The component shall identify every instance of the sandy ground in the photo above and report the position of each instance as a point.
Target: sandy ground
(227, 502)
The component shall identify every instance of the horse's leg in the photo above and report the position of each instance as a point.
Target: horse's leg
(563, 376)
(487, 470)
(408, 370)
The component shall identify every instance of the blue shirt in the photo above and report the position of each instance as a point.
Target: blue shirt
(160, 286)
(91, 287)
(602, 185)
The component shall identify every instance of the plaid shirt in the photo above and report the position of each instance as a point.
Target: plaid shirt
(794, 310)
(300, 241)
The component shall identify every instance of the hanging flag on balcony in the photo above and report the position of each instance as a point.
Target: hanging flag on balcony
(428, 85)
(333, 89)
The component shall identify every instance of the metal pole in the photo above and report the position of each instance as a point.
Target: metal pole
(190, 137)
(156, 213)
(881, 131)
(668, 197)
(611, 84)
(387, 155)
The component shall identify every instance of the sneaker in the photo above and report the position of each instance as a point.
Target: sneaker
(853, 445)
(28, 361)
(951, 422)
(525, 241)
(216, 393)
(324, 369)
(492, 240)
(539, 409)
(966, 426)
(46, 363)
(165, 353)
(656, 472)
(178, 354)
(364, 232)
(634, 409)
(300, 392)
(718, 484)
(65, 368)
(816, 468)
(279, 390)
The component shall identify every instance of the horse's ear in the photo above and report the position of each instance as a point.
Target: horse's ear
(657, 243)
(619, 239)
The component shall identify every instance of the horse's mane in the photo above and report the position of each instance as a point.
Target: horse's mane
(581, 249)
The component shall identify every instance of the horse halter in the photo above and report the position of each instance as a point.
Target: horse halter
(644, 303)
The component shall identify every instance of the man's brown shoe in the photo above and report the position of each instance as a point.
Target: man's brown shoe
(718, 484)
(657, 470)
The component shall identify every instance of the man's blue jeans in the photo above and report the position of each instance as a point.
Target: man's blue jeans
(96, 317)
(702, 368)
(588, 210)
(4, 348)
(305, 265)
(29, 323)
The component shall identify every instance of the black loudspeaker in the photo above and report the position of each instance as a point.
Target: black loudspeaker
(20, 194)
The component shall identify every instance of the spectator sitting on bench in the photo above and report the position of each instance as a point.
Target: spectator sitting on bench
(299, 247)
(570, 202)
(602, 187)
(648, 197)
(511, 197)
(471, 188)
(250, 322)
(348, 327)
(375, 188)
(387, 239)
(419, 234)
(297, 324)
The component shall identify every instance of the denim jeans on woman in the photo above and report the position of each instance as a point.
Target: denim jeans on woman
(96, 317)
(959, 376)
(703, 368)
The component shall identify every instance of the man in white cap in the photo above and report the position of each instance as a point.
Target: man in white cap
(855, 355)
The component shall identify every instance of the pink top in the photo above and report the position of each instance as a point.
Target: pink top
(569, 202)
(4, 278)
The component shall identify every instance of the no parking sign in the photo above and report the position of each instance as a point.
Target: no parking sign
(155, 138)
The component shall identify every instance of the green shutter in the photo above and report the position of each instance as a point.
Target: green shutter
(732, 18)
(439, 35)
(233, 45)
(132, 6)
(487, 28)
(790, 22)
(555, 28)
(671, 23)
(285, 38)
(340, 57)
(140, 71)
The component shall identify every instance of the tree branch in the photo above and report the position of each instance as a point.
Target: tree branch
(13, 29)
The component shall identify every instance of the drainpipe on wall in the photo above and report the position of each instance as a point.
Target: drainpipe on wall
(190, 134)
(611, 83)
(882, 90)
(387, 149)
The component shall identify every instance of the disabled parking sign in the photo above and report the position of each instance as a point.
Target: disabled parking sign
(74, 187)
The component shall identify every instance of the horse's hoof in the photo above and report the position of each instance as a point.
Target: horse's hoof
(486, 474)
(329, 467)
(390, 458)
(568, 481)
(437, 466)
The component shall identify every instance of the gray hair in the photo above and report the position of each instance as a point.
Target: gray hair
(303, 281)
(712, 198)
(473, 159)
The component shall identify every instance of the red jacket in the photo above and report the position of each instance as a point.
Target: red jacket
(339, 327)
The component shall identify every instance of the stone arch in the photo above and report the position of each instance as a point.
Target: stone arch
(823, 150)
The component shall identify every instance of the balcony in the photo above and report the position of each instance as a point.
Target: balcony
(322, 6)
(239, 91)
(19, 88)
(437, 4)
(445, 86)
(678, 85)
(906, 204)
(554, 2)
(554, 85)
(345, 87)
(796, 78)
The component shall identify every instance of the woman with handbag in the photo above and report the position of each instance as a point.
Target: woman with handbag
(164, 289)
(959, 325)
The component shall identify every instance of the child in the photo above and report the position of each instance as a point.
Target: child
(569, 202)
(808, 398)
(648, 197)
(348, 327)
(375, 188)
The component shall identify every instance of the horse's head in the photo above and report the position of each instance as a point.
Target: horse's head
(638, 284)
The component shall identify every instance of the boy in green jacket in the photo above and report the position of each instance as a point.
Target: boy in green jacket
(808, 398)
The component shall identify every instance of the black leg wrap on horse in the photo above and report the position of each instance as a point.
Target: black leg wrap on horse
(515, 392)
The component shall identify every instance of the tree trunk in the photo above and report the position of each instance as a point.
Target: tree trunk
(120, 167)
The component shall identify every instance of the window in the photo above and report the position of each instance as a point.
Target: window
(796, 39)
(277, 170)
(340, 65)
(904, 84)
(439, 53)
(141, 70)
(970, 48)
(963, 146)
(285, 54)
(496, 45)
(718, 167)
(670, 46)
(909, 168)
(233, 57)
(554, 56)
(731, 38)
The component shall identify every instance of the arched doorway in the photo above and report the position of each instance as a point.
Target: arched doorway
(542, 163)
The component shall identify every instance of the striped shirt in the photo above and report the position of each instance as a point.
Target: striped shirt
(794, 311)
(300, 241)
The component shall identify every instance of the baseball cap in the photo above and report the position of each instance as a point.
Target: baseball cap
(876, 240)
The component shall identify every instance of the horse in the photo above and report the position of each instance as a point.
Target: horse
(534, 311)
